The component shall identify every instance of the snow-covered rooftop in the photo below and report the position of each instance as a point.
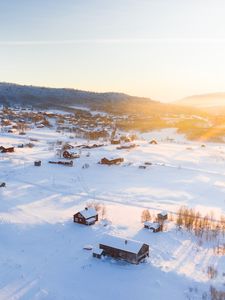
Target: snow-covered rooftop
(97, 251)
(88, 212)
(122, 244)
(163, 213)
(154, 225)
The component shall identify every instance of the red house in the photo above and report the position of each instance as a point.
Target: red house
(88, 216)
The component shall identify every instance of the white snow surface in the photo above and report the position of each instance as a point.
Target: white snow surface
(41, 252)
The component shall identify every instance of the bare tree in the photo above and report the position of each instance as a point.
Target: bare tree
(96, 205)
(103, 211)
(145, 216)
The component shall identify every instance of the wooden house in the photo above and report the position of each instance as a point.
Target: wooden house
(6, 150)
(70, 154)
(115, 161)
(154, 227)
(162, 216)
(88, 216)
(64, 163)
(120, 248)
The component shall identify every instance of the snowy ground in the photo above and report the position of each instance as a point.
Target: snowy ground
(41, 253)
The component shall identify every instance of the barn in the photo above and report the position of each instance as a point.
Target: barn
(162, 216)
(88, 216)
(6, 150)
(115, 161)
(154, 227)
(120, 248)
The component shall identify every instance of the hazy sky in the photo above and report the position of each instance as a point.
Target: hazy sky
(163, 49)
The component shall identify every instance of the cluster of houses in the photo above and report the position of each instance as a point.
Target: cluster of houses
(116, 247)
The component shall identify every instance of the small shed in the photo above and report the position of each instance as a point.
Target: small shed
(88, 216)
(120, 248)
(162, 216)
(154, 227)
(70, 154)
(115, 142)
(37, 163)
(142, 167)
(64, 163)
(97, 252)
(153, 142)
(114, 161)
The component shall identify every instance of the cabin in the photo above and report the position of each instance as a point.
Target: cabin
(64, 163)
(97, 253)
(88, 216)
(115, 161)
(6, 150)
(37, 163)
(153, 142)
(154, 227)
(70, 154)
(162, 216)
(119, 248)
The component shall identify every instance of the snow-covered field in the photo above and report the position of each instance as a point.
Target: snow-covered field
(41, 253)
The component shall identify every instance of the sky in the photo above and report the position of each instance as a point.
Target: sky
(162, 49)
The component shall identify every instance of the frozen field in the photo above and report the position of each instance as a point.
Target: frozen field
(41, 253)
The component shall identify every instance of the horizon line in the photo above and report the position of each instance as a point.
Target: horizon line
(111, 41)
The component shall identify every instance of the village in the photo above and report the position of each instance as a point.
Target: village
(117, 191)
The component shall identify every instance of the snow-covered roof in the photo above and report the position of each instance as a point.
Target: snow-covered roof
(88, 213)
(97, 251)
(163, 213)
(121, 243)
(154, 225)
(90, 220)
